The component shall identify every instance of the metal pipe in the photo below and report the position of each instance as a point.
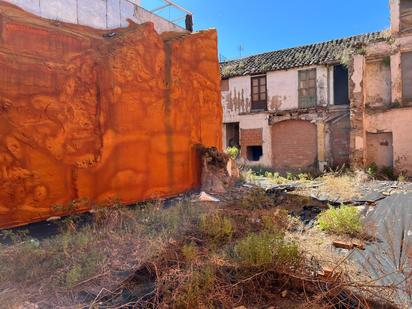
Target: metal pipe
(178, 6)
(161, 8)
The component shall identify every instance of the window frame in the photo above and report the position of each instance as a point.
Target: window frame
(262, 102)
(304, 100)
(405, 16)
(405, 99)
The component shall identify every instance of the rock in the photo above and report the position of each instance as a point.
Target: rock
(204, 197)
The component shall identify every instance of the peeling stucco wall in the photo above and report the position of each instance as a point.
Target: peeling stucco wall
(378, 82)
(282, 90)
(397, 122)
(92, 118)
(236, 100)
(99, 14)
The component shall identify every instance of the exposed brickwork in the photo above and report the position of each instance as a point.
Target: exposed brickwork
(294, 145)
(250, 137)
(340, 141)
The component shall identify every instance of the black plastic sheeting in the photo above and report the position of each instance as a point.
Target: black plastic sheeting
(389, 259)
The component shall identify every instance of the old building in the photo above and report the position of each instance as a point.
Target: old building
(289, 109)
(381, 97)
(346, 101)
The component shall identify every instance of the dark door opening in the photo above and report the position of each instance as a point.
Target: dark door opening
(341, 85)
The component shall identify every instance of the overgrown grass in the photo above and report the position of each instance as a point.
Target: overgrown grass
(267, 248)
(343, 220)
(114, 238)
(344, 186)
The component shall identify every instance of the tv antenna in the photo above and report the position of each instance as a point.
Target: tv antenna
(240, 48)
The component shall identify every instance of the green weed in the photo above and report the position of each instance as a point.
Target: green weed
(266, 248)
(343, 220)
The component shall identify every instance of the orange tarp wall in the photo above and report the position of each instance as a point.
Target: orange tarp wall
(97, 115)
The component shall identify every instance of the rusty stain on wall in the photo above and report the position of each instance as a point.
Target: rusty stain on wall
(276, 103)
(84, 116)
(237, 101)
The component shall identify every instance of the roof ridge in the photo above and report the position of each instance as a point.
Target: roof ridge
(302, 46)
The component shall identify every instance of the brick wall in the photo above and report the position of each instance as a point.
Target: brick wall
(294, 145)
(250, 137)
(340, 141)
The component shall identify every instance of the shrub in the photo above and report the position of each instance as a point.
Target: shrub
(196, 289)
(233, 152)
(216, 226)
(343, 220)
(266, 248)
(190, 252)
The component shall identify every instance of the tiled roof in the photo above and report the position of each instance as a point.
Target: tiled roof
(314, 54)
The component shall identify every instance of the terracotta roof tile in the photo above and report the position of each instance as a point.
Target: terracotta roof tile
(314, 54)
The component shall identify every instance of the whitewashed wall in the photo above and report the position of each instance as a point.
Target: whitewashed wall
(99, 14)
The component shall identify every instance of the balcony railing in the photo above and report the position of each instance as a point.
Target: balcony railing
(165, 14)
(170, 11)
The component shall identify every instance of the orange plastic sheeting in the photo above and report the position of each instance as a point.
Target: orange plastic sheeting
(91, 115)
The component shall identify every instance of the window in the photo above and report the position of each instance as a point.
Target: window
(254, 153)
(259, 93)
(406, 64)
(307, 88)
(340, 85)
(406, 15)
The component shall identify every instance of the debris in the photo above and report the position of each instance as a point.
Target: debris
(284, 293)
(53, 219)
(232, 169)
(204, 197)
(359, 245)
(327, 272)
(342, 244)
(215, 175)
(109, 35)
